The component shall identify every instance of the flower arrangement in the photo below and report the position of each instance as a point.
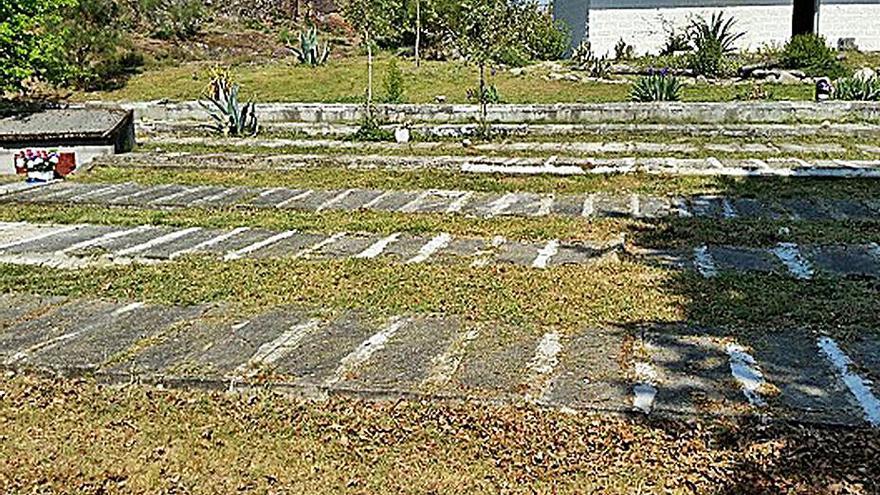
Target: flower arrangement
(39, 166)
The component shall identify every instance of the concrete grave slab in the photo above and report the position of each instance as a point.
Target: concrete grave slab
(117, 244)
(348, 246)
(99, 193)
(405, 361)
(517, 253)
(226, 198)
(654, 207)
(14, 233)
(805, 209)
(151, 194)
(844, 261)
(568, 205)
(579, 254)
(845, 209)
(239, 240)
(707, 207)
(807, 385)
(357, 199)
(759, 260)
(51, 193)
(316, 359)
(532, 205)
(166, 250)
(184, 198)
(55, 327)
(15, 308)
(289, 246)
(108, 337)
(462, 247)
(612, 206)
(494, 365)
(271, 197)
(62, 240)
(752, 208)
(864, 350)
(589, 374)
(407, 246)
(392, 200)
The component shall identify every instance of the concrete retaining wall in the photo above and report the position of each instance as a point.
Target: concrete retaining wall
(680, 113)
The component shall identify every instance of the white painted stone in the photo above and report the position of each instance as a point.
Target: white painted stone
(545, 254)
(704, 262)
(588, 209)
(320, 244)
(437, 243)
(335, 200)
(790, 255)
(858, 386)
(444, 366)
(378, 247)
(541, 366)
(270, 352)
(746, 372)
(458, 203)
(483, 168)
(501, 204)
(366, 350)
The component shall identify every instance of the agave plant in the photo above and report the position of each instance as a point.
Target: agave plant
(858, 88)
(310, 51)
(716, 31)
(657, 86)
(230, 117)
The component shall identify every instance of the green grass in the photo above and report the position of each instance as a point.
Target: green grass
(78, 436)
(344, 80)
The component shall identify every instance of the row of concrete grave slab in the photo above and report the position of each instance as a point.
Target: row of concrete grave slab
(553, 165)
(450, 201)
(561, 148)
(81, 245)
(665, 370)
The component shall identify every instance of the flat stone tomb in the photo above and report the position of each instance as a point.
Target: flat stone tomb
(655, 370)
(452, 202)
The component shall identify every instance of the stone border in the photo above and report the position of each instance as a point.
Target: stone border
(585, 113)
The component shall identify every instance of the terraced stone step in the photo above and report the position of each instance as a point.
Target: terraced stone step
(452, 201)
(652, 370)
(561, 148)
(82, 245)
(554, 165)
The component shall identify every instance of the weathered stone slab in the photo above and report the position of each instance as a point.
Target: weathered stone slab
(654, 207)
(844, 260)
(357, 199)
(215, 346)
(62, 240)
(52, 193)
(462, 247)
(117, 244)
(407, 246)
(184, 198)
(289, 247)
(392, 201)
(228, 197)
(568, 205)
(589, 374)
(15, 308)
(494, 364)
(807, 386)
(752, 208)
(12, 233)
(864, 350)
(19, 341)
(707, 207)
(578, 254)
(319, 199)
(275, 196)
(165, 250)
(846, 209)
(239, 241)
(517, 253)
(348, 246)
(612, 206)
(406, 359)
(314, 360)
(759, 260)
(481, 204)
(152, 194)
(100, 193)
(805, 209)
(530, 204)
(107, 338)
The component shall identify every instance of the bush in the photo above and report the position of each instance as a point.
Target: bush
(180, 19)
(858, 89)
(712, 40)
(544, 38)
(586, 60)
(676, 42)
(25, 48)
(394, 85)
(708, 60)
(623, 50)
(810, 53)
(659, 86)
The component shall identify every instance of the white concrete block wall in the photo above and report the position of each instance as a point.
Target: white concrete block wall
(644, 28)
(859, 21)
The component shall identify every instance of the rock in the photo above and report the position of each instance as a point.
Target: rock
(572, 78)
(798, 74)
(702, 79)
(623, 69)
(440, 99)
(466, 143)
(864, 74)
(761, 74)
(401, 135)
(517, 71)
(786, 77)
(555, 76)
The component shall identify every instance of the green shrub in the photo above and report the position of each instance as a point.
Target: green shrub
(714, 34)
(676, 41)
(623, 50)
(708, 59)
(584, 58)
(810, 53)
(858, 89)
(545, 39)
(394, 84)
(172, 19)
(658, 86)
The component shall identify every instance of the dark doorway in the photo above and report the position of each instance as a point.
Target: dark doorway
(803, 20)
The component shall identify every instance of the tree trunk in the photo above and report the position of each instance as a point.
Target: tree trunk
(483, 102)
(418, 30)
(369, 70)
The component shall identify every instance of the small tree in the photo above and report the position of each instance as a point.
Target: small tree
(27, 47)
(483, 30)
(371, 18)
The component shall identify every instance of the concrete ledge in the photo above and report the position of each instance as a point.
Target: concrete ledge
(588, 113)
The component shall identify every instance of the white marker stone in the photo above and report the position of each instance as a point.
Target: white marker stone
(270, 352)
(335, 200)
(746, 372)
(544, 255)
(373, 202)
(238, 253)
(588, 208)
(543, 363)
(437, 243)
(858, 386)
(458, 204)
(791, 257)
(545, 205)
(105, 238)
(635, 207)
(501, 204)
(173, 236)
(210, 242)
(645, 389)
(366, 350)
(704, 262)
(378, 247)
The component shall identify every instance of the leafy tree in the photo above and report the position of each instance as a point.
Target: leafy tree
(372, 19)
(27, 46)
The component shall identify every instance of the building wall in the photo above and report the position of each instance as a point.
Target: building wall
(641, 22)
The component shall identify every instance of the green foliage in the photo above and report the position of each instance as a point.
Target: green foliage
(491, 95)
(27, 48)
(659, 86)
(177, 19)
(676, 41)
(810, 53)
(714, 33)
(541, 38)
(858, 89)
(96, 51)
(371, 130)
(393, 84)
(586, 60)
(230, 117)
(623, 50)
(310, 52)
(708, 60)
